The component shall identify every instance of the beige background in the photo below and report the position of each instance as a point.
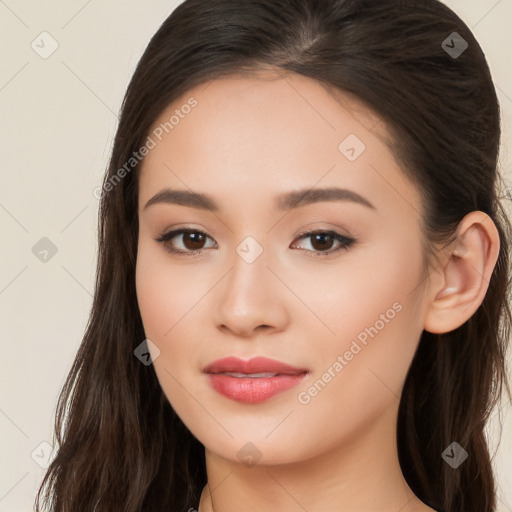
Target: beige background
(58, 120)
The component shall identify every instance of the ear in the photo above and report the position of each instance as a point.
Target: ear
(465, 277)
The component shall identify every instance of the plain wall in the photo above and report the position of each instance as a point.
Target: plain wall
(59, 117)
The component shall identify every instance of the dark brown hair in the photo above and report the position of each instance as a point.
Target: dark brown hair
(121, 447)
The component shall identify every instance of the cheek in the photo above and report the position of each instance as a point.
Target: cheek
(154, 303)
(362, 368)
(378, 319)
(165, 293)
(371, 289)
(372, 307)
(164, 301)
(172, 300)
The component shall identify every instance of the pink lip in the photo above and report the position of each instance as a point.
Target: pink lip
(252, 389)
(254, 365)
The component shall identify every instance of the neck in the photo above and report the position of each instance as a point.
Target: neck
(361, 474)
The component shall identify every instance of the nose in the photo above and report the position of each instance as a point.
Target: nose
(251, 300)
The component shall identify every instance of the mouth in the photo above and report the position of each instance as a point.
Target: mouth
(254, 366)
(253, 381)
(249, 375)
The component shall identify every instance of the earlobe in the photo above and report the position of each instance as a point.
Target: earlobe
(466, 275)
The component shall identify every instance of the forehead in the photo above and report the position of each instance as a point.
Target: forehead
(267, 101)
(249, 134)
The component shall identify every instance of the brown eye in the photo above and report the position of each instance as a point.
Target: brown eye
(193, 241)
(184, 241)
(321, 242)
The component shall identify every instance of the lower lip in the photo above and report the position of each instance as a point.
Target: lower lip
(252, 390)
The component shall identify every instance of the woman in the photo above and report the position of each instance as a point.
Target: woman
(301, 296)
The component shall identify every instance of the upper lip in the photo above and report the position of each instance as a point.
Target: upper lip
(254, 365)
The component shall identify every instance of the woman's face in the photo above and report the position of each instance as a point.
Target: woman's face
(346, 304)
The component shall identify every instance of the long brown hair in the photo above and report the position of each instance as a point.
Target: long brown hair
(121, 447)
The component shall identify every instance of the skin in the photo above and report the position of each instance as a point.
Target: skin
(247, 141)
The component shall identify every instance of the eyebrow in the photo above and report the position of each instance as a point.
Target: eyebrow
(286, 201)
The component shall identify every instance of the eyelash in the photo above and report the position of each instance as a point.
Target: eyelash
(344, 241)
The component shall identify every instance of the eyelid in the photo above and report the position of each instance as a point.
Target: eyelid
(322, 229)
